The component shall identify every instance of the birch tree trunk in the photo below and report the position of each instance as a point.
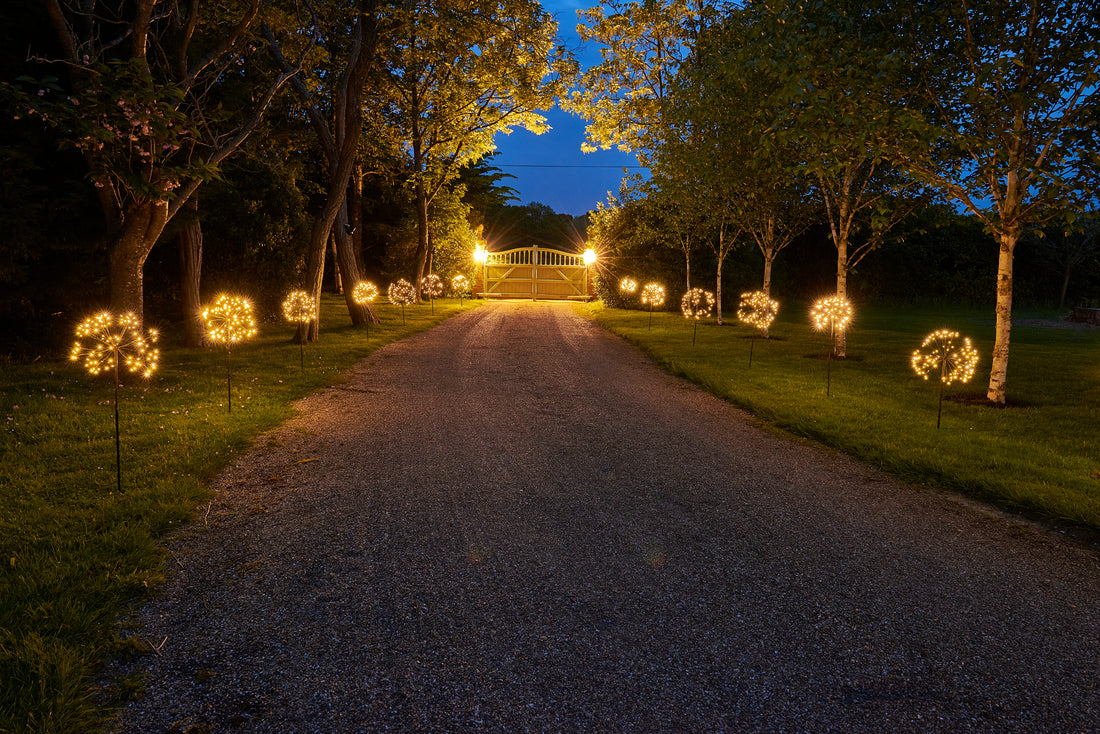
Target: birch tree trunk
(998, 373)
(190, 247)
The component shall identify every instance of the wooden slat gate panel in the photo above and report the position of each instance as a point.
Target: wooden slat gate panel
(535, 272)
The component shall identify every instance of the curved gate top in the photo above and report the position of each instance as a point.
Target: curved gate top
(535, 272)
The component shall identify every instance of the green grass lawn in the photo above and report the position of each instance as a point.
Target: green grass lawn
(1039, 456)
(76, 555)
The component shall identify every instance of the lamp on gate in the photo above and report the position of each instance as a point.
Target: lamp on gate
(589, 258)
(481, 255)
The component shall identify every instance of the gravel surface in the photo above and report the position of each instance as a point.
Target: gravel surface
(514, 522)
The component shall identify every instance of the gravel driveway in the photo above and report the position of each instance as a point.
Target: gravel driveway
(514, 522)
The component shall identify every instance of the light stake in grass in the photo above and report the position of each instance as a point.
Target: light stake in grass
(403, 294)
(758, 310)
(229, 320)
(835, 314)
(104, 340)
(432, 287)
(653, 295)
(364, 294)
(696, 304)
(942, 352)
(299, 308)
(460, 286)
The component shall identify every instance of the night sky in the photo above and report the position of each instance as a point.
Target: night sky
(550, 168)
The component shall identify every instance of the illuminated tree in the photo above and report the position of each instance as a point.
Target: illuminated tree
(458, 72)
(156, 96)
(1009, 93)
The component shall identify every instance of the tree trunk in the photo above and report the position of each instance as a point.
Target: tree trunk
(422, 236)
(841, 341)
(190, 246)
(999, 370)
(769, 258)
(347, 266)
(1065, 284)
(355, 213)
(142, 225)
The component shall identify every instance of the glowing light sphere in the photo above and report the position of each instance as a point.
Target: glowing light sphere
(106, 340)
(757, 309)
(364, 292)
(628, 285)
(460, 284)
(653, 295)
(697, 303)
(589, 256)
(481, 254)
(401, 293)
(298, 307)
(229, 320)
(431, 286)
(833, 313)
(944, 354)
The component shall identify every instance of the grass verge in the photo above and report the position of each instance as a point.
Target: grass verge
(76, 555)
(1039, 456)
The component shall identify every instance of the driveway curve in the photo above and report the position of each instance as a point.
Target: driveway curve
(515, 522)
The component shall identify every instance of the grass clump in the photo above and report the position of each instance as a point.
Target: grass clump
(1039, 456)
(76, 555)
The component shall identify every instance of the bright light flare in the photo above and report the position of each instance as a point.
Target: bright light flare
(653, 295)
(105, 340)
(757, 309)
(364, 292)
(589, 256)
(481, 254)
(628, 285)
(299, 308)
(229, 320)
(943, 354)
(697, 304)
(833, 313)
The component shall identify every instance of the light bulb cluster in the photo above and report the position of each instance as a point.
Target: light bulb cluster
(401, 293)
(942, 353)
(298, 307)
(431, 286)
(833, 313)
(229, 320)
(653, 295)
(460, 284)
(757, 309)
(104, 340)
(364, 292)
(697, 303)
(628, 286)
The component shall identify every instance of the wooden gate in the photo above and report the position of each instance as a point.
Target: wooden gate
(535, 272)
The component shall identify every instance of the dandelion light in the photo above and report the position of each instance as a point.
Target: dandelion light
(696, 304)
(105, 341)
(947, 355)
(299, 308)
(229, 320)
(653, 295)
(403, 294)
(432, 287)
(835, 314)
(460, 286)
(628, 286)
(757, 309)
(364, 292)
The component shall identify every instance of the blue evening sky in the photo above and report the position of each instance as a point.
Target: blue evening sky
(550, 168)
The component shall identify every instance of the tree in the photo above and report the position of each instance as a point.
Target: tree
(1007, 123)
(833, 76)
(458, 72)
(144, 101)
(644, 44)
(340, 144)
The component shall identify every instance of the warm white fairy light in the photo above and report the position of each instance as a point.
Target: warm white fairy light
(402, 293)
(105, 341)
(431, 286)
(757, 309)
(944, 355)
(653, 295)
(364, 292)
(229, 320)
(628, 285)
(460, 285)
(833, 313)
(697, 303)
(298, 307)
